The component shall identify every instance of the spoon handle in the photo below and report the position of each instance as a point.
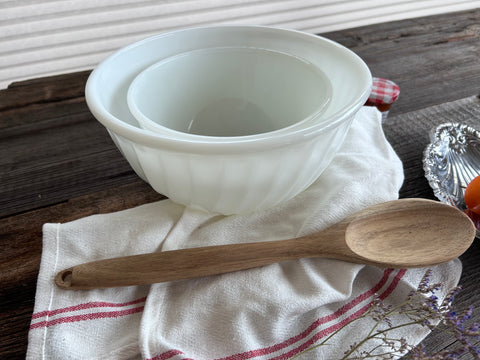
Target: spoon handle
(182, 264)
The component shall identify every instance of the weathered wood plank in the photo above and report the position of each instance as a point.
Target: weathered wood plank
(50, 89)
(55, 159)
(409, 134)
(35, 117)
(433, 59)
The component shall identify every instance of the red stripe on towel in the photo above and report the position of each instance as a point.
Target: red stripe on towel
(167, 355)
(84, 317)
(89, 305)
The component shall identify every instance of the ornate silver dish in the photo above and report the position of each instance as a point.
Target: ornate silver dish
(451, 161)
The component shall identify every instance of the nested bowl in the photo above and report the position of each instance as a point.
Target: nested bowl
(233, 174)
(228, 92)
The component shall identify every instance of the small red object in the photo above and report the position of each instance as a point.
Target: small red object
(472, 195)
(384, 93)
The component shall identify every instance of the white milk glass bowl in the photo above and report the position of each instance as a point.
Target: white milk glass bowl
(228, 92)
(235, 174)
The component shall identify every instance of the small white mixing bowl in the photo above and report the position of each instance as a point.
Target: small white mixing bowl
(228, 92)
(237, 174)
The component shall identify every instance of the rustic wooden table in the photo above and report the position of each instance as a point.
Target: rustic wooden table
(59, 164)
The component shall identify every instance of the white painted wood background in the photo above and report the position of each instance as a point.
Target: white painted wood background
(39, 38)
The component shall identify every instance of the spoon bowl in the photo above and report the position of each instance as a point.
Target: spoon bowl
(409, 233)
(403, 233)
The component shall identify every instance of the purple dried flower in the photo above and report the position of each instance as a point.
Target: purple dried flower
(464, 334)
(474, 329)
(448, 300)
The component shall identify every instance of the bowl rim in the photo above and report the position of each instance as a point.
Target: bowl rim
(232, 144)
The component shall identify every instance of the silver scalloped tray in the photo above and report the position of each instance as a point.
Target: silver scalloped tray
(451, 161)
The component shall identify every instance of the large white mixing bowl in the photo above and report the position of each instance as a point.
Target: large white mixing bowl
(239, 174)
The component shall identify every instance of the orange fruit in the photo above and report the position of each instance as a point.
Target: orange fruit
(472, 195)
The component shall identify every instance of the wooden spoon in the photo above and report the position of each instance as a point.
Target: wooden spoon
(399, 234)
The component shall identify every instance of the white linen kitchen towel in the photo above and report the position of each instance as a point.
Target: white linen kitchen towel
(272, 312)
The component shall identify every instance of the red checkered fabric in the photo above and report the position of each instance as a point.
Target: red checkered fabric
(383, 91)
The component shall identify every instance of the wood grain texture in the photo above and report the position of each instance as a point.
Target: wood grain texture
(432, 59)
(43, 90)
(56, 151)
(410, 134)
(59, 164)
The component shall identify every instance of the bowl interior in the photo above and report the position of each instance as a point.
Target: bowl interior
(228, 91)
